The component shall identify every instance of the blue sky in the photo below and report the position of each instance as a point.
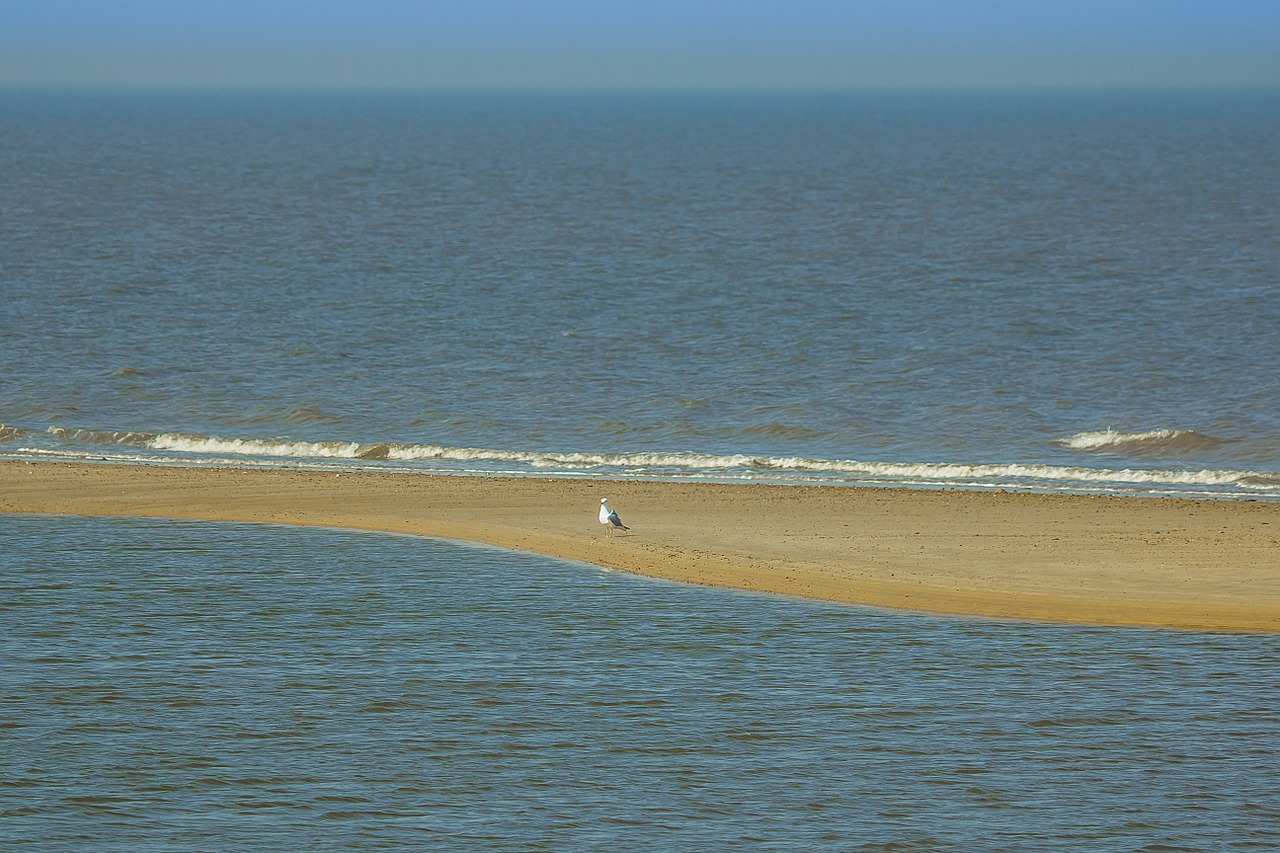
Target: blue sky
(767, 44)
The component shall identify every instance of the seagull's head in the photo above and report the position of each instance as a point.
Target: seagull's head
(604, 500)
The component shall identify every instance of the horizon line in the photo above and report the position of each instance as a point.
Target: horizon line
(624, 89)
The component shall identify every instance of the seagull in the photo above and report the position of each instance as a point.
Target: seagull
(610, 517)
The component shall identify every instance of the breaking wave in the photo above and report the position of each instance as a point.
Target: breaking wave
(8, 433)
(795, 469)
(101, 436)
(1160, 442)
(256, 446)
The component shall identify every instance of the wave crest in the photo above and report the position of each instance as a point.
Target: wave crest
(735, 466)
(256, 446)
(102, 436)
(299, 415)
(1160, 442)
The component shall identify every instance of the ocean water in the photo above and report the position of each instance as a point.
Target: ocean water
(1052, 292)
(185, 686)
(1048, 291)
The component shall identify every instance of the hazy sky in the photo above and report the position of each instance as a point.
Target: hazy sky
(640, 43)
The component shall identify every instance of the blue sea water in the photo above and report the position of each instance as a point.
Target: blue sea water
(1042, 291)
(1049, 291)
(185, 686)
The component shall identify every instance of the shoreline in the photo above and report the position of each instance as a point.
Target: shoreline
(1140, 562)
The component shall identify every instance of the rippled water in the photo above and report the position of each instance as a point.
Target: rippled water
(171, 685)
(1045, 290)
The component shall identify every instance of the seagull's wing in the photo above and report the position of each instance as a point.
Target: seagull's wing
(617, 522)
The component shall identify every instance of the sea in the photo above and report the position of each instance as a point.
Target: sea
(1055, 292)
(1052, 291)
(172, 685)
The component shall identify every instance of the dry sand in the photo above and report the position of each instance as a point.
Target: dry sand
(1094, 560)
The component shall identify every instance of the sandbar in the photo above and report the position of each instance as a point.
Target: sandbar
(1152, 562)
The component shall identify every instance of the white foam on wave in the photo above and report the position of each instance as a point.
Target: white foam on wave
(8, 433)
(1152, 440)
(675, 462)
(255, 446)
(683, 465)
(1112, 438)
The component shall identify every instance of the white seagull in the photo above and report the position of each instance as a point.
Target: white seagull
(610, 517)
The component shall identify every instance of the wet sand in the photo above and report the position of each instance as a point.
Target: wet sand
(1078, 559)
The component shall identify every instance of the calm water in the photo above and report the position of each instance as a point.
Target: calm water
(213, 687)
(1048, 291)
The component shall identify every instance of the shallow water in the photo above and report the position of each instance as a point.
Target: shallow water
(174, 685)
(1047, 291)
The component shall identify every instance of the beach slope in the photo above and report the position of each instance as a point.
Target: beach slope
(1079, 559)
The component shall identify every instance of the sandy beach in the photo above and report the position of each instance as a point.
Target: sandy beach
(1079, 559)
